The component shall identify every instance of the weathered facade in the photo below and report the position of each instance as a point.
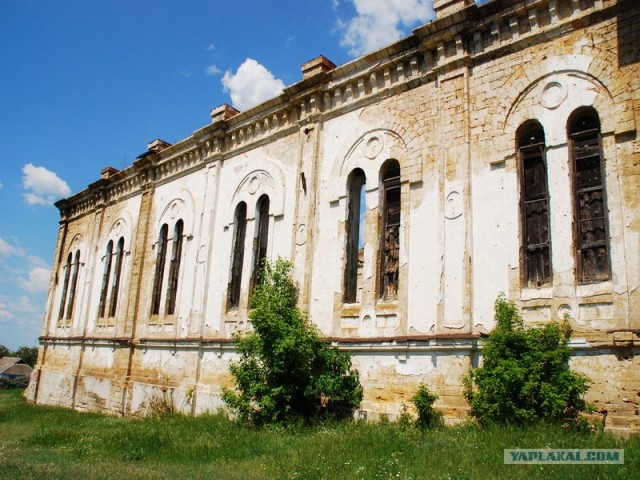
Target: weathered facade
(493, 150)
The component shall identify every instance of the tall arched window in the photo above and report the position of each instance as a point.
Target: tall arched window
(115, 286)
(174, 267)
(65, 286)
(590, 199)
(390, 232)
(73, 286)
(105, 279)
(159, 274)
(356, 192)
(534, 205)
(261, 239)
(237, 255)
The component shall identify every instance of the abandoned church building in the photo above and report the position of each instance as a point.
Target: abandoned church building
(495, 149)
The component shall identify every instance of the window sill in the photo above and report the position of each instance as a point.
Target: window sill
(594, 289)
(529, 293)
(350, 309)
(386, 306)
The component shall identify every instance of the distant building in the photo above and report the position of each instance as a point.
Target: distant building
(493, 150)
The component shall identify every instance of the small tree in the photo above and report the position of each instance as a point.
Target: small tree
(286, 372)
(423, 400)
(525, 376)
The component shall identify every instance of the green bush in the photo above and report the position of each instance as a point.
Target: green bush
(423, 400)
(525, 376)
(286, 372)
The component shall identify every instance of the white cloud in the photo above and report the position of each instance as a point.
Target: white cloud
(38, 280)
(43, 186)
(5, 308)
(378, 23)
(24, 305)
(212, 70)
(186, 73)
(7, 250)
(211, 47)
(251, 85)
(21, 311)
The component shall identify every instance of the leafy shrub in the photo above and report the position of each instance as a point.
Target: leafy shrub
(286, 372)
(525, 376)
(423, 400)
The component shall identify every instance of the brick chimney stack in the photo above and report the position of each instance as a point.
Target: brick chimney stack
(318, 65)
(157, 145)
(447, 7)
(223, 112)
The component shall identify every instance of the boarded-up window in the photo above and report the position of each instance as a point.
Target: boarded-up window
(261, 239)
(536, 242)
(355, 234)
(390, 231)
(159, 274)
(105, 279)
(237, 255)
(590, 203)
(174, 267)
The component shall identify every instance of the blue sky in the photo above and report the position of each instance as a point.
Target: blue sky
(86, 84)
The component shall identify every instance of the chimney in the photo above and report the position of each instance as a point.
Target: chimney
(158, 145)
(447, 7)
(108, 172)
(223, 112)
(318, 65)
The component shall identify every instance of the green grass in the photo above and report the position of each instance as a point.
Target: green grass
(43, 442)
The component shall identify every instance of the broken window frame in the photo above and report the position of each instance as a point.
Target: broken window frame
(356, 194)
(102, 306)
(73, 286)
(260, 239)
(65, 286)
(174, 267)
(237, 256)
(156, 295)
(534, 204)
(390, 224)
(585, 145)
(115, 287)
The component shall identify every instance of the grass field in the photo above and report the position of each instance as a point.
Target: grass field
(39, 442)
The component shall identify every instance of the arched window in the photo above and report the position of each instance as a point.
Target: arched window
(159, 274)
(65, 286)
(115, 286)
(590, 199)
(105, 279)
(534, 205)
(390, 232)
(73, 286)
(174, 267)
(237, 255)
(261, 239)
(356, 192)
